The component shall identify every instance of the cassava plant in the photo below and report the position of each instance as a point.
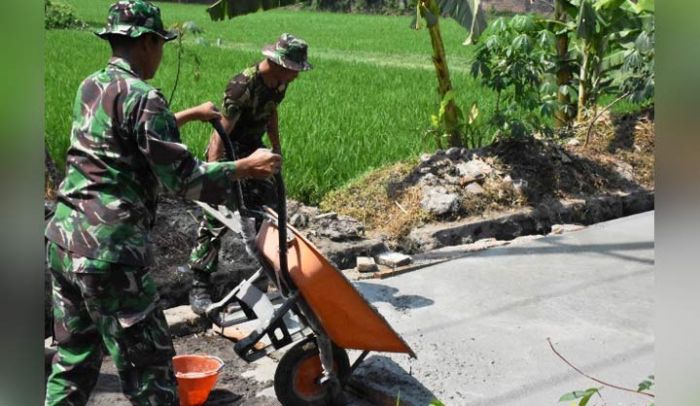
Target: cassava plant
(515, 59)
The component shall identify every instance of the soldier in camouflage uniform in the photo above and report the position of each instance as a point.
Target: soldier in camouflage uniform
(125, 150)
(250, 109)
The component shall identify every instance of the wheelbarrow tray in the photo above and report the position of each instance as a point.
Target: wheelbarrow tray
(349, 320)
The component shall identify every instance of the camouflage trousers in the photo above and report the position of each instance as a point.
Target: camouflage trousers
(205, 254)
(102, 306)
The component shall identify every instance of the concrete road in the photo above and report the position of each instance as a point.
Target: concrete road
(479, 325)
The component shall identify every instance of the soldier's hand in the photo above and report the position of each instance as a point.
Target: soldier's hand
(261, 164)
(207, 111)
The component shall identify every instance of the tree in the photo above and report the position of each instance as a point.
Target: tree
(467, 13)
(602, 27)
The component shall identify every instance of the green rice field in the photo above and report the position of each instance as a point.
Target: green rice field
(366, 104)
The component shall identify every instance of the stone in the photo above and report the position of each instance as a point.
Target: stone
(183, 321)
(329, 215)
(393, 259)
(573, 142)
(429, 180)
(424, 170)
(366, 264)
(438, 201)
(475, 168)
(563, 228)
(519, 184)
(625, 170)
(565, 158)
(425, 158)
(453, 153)
(474, 189)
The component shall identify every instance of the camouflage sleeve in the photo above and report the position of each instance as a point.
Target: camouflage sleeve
(236, 97)
(176, 169)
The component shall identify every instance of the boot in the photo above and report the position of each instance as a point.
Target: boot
(200, 296)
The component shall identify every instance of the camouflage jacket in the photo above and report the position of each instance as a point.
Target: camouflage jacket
(125, 150)
(249, 103)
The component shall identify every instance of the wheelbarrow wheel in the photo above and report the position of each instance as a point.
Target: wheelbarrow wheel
(297, 378)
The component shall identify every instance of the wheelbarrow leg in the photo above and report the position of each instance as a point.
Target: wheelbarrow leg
(329, 380)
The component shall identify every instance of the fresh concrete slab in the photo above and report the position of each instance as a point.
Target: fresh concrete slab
(479, 325)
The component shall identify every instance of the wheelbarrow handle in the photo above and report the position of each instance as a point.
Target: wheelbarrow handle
(230, 156)
(281, 200)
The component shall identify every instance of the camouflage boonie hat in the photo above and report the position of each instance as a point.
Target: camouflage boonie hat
(134, 18)
(289, 52)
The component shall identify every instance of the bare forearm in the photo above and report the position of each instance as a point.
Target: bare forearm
(204, 112)
(185, 116)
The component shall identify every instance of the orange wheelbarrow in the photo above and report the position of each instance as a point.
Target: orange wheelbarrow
(331, 314)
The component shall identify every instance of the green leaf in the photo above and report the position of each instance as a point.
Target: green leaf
(499, 25)
(608, 4)
(431, 19)
(467, 13)
(522, 43)
(522, 23)
(473, 113)
(546, 38)
(571, 396)
(645, 385)
(586, 23)
(642, 6)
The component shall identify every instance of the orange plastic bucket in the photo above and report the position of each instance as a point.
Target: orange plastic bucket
(196, 376)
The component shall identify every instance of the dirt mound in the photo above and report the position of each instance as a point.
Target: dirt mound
(508, 174)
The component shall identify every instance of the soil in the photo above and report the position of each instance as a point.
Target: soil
(509, 174)
(389, 203)
(231, 387)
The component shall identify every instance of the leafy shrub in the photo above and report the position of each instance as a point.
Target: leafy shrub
(59, 15)
(512, 59)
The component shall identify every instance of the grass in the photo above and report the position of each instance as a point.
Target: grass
(366, 104)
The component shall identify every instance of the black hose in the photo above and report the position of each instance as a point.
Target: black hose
(281, 203)
(230, 156)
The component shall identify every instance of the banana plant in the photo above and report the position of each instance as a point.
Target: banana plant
(470, 15)
(467, 13)
(601, 27)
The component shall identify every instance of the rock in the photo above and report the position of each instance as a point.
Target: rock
(625, 170)
(475, 168)
(366, 264)
(519, 184)
(439, 153)
(474, 189)
(339, 228)
(573, 142)
(565, 158)
(425, 158)
(298, 220)
(563, 228)
(183, 321)
(329, 215)
(438, 201)
(425, 169)
(429, 180)
(393, 259)
(453, 153)
(507, 179)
